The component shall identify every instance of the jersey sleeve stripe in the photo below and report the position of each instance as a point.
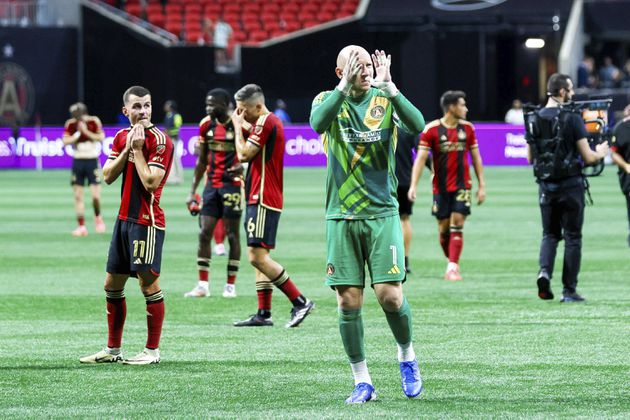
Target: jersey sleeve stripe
(252, 141)
(157, 165)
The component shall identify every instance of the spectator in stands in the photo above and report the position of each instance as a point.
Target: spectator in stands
(515, 115)
(586, 73)
(222, 33)
(281, 112)
(609, 74)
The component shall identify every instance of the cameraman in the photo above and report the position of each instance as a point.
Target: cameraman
(556, 140)
(621, 156)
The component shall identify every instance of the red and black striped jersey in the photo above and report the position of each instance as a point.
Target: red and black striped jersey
(93, 125)
(217, 140)
(137, 205)
(450, 147)
(263, 183)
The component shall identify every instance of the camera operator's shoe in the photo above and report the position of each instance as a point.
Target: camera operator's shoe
(571, 297)
(544, 286)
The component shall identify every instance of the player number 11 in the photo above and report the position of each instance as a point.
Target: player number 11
(136, 245)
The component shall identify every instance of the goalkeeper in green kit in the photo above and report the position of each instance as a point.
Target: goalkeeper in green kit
(358, 121)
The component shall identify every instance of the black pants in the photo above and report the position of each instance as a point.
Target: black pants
(562, 210)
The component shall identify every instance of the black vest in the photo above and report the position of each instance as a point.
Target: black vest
(554, 157)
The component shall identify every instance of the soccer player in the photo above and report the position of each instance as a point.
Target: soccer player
(449, 140)
(260, 141)
(83, 132)
(143, 155)
(222, 193)
(405, 148)
(359, 126)
(172, 124)
(621, 156)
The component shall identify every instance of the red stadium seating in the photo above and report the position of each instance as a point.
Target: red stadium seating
(252, 20)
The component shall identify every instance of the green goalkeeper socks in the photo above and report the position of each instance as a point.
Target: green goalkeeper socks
(400, 323)
(351, 329)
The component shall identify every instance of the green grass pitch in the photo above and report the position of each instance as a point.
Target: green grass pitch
(488, 347)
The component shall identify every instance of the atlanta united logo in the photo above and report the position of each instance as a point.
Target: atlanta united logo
(377, 112)
(17, 94)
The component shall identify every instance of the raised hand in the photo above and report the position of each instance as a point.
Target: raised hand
(137, 137)
(238, 117)
(352, 67)
(383, 79)
(382, 63)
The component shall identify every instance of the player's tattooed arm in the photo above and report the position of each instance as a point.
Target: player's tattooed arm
(416, 172)
(478, 166)
(200, 169)
(245, 150)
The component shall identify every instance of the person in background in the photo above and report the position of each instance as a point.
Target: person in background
(281, 112)
(172, 124)
(515, 115)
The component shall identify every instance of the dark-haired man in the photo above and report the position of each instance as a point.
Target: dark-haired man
(143, 155)
(83, 132)
(449, 140)
(222, 193)
(260, 141)
(556, 140)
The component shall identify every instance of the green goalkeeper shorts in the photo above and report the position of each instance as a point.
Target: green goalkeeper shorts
(355, 244)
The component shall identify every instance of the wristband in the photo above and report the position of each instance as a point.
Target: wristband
(344, 86)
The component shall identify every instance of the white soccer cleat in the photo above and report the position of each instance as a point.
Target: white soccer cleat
(103, 356)
(145, 357)
(219, 249)
(198, 291)
(99, 225)
(229, 291)
(80, 231)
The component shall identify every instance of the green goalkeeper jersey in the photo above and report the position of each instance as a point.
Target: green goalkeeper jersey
(359, 136)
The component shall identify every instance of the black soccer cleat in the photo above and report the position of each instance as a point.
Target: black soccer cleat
(571, 297)
(298, 313)
(255, 321)
(544, 287)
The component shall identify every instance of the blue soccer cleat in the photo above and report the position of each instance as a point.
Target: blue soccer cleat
(411, 380)
(362, 393)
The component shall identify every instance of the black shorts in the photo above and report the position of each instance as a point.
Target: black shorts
(451, 202)
(404, 205)
(135, 248)
(222, 202)
(83, 169)
(261, 226)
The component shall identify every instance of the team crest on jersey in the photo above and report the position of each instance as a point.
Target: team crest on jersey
(229, 135)
(461, 134)
(160, 149)
(330, 269)
(258, 129)
(377, 112)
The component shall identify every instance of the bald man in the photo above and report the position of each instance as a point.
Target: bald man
(621, 156)
(359, 121)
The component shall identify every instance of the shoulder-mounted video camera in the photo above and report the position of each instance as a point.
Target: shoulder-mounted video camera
(594, 113)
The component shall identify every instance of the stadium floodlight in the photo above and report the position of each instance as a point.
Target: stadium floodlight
(535, 43)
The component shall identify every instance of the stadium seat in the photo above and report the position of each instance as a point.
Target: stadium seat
(329, 7)
(157, 19)
(272, 25)
(134, 9)
(310, 23)
(292, 26)
(305, 16)
(154, 8)
(271, 8)
(213, 9)
(174, 27)
(251, 8)
(174, 8)
(232, 8)
(193, 37)
(277, 33)
(257, 36)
